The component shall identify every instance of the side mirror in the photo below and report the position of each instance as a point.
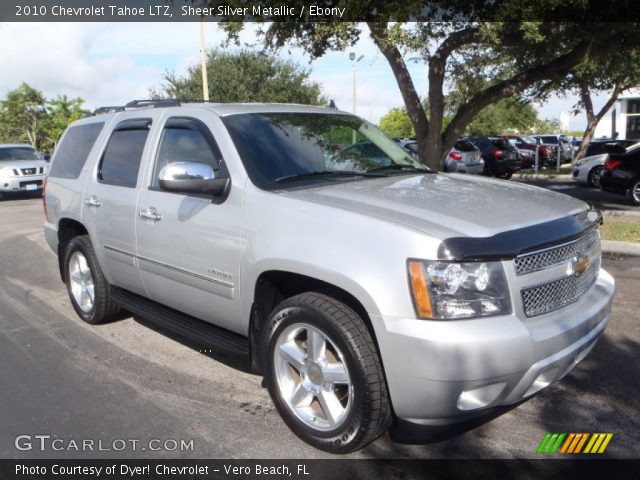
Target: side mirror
(192, 177)
(46, 157)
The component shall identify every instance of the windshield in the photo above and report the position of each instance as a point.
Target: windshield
(529, 140)
(18, 153)
(274, 146)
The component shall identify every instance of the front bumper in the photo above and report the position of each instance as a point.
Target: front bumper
(22, 184)
(444, 372)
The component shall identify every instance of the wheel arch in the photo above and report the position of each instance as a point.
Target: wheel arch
(68, 228)
(272, 287)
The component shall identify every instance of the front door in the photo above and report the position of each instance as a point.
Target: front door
(189, 246)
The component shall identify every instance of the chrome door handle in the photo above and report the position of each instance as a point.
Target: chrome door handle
(92, 201)
(150, 214)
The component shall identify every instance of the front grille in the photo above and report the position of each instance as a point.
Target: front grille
(560, 293)
(558, 254)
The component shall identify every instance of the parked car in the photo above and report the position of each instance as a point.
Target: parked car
(526, 146)
(464, 157)
(553, 142)
(621, 174)
(22, 169)
(364, 296)
(588, 169)
(500, 157)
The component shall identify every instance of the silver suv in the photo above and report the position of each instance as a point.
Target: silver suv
(361, 285)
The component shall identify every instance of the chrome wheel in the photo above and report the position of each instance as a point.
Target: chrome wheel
(312, 377)
(81, 282)
(635, 193)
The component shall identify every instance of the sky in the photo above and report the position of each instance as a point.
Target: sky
(113, 63)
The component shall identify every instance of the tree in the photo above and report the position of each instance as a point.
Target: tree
(26, 116)
(508, 56)
(396, 124)
(22, 114)
(614, 74)
(244, 76)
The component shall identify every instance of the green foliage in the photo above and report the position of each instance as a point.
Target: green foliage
(397, 124)
(510, 115)
(26, 116)
(244, 76)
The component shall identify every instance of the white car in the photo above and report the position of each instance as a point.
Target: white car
(22, 169)
(588, 169)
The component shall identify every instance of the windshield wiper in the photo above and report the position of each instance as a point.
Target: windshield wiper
(327, 173)
(401, 168)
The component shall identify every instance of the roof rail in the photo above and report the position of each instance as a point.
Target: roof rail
(110, 109)
(164, 102)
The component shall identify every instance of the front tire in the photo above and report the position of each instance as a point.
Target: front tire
(324, 375)
(86, 285)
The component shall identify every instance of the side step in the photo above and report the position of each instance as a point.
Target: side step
(203, 334)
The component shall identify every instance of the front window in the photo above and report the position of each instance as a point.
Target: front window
(281, 149)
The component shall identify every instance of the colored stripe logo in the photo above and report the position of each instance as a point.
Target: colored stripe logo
(572, 443)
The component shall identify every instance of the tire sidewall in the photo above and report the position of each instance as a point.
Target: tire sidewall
(595, 171)
(634, 185)
(347, 434)
(77, 245)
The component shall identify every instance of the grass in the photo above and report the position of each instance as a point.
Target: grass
(622, 230)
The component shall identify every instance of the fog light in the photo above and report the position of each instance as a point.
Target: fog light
(542, 381)
(480, 397)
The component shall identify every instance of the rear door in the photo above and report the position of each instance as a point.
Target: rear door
(110, 202)
(189, 246)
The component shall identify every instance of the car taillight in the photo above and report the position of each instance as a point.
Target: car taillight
(610, 164)
(44, 199)
(456, 156)
(497, 153)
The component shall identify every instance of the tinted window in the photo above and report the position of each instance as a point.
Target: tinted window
(549, 139)
(180, 143)
(18, 153)
(121, 159)
(464, 146)
(72, 153)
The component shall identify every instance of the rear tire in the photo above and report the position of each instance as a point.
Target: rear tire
(88, 289)
(324, 375)
(635, 192)
(594, 176)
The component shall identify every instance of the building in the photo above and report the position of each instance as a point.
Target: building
(623, 119)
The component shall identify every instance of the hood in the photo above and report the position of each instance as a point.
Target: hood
(446, 205)
(22, 163)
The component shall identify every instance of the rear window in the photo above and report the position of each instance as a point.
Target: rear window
(121, 159)
(18, 153)
(501, 143)
(549, 139)
(464, 146)
(72, 153)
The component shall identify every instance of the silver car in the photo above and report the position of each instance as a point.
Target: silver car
(362, 286)
(22, 169)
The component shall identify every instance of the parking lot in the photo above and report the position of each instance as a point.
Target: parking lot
(124, 380)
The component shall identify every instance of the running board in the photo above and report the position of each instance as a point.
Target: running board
(207, 337)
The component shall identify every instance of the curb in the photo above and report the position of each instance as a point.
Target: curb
(621, 248)
(631, 215)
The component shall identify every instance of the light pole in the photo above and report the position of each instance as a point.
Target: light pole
(203, 63)
(352, 57)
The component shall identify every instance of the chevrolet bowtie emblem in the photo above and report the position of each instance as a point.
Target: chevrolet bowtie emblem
(578, 265)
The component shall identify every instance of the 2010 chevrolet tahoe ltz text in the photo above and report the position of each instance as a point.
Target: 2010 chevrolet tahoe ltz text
(364, 287)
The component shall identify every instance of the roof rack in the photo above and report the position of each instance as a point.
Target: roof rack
(164, 102)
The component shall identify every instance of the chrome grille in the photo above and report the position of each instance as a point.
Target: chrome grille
(549, 257)
(560, 293)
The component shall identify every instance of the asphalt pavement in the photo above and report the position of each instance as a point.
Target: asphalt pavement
(126, 384)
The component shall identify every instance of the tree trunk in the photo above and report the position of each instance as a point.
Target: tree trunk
(412, 103)
(593, 119)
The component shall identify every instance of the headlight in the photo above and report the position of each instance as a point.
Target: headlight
(450, 290)
(5, 171)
